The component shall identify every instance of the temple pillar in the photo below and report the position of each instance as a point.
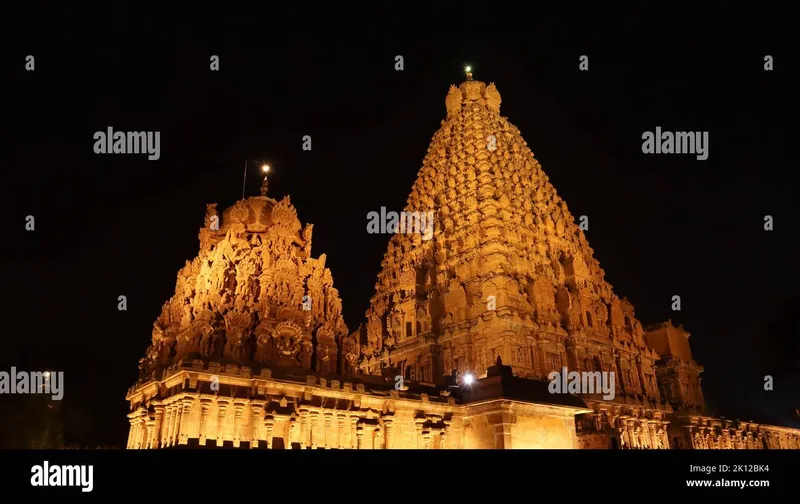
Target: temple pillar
(387, 437)
(222, 407)
(256, 420)
(135, 440)
(157, 436)
(184, 421)
(177, 431)
(131, 430)
(315, 428)
(167, 428)
(624, 435)
(172, 411)
(360, 437)
(293, 431)
(342, 436)
(354, 431)
(150, 441)
(418, 422)
(173, 429)
(238, 409)
(328, 434)
(304, 429)
(205, 406)
(445, 435)
(502, 435)
(269, 427)
(142, 439)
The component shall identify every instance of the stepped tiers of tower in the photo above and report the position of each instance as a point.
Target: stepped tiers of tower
(252, 350)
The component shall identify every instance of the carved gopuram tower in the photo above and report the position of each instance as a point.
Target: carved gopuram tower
(508, 274)
(253, 307)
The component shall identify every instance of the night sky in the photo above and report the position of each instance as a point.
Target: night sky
(111, 225)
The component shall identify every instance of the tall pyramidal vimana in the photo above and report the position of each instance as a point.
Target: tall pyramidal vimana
(252, 350)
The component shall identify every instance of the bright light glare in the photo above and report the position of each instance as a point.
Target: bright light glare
(468, 379)
(265, 168)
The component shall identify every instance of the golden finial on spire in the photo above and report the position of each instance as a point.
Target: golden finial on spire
(468, 70)
(264, 184)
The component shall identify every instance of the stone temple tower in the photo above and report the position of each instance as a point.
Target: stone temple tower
(253, 303)
(508, 272)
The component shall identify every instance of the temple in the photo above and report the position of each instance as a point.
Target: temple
(460, 340)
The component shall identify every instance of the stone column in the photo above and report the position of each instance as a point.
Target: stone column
(624, 436)
(315, 437)
(418, 426)
(131, 430)
(136, 434)
(222, 407)
(293, 429)
(174, 423)
(354, 431)
(178, 419)
(238, 408)
(328, 435)
(139, 433)
(360, 437)
(157, 435)
(150, 441)
(185, 421)
(205, 405)
(341, 437)
(269, 425)
(760, 445)
(165, 430)
(256, 420)
(502, 422)
(647, 433)
(304, 429)
(387, 436)
(172, 413)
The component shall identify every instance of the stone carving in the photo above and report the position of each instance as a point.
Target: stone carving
(231, 301)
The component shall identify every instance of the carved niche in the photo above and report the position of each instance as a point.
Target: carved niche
(291, 343)
(326, 350)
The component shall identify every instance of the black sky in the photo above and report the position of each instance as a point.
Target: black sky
(659, 225)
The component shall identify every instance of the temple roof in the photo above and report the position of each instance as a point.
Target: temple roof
(253, 296)
(496, 215)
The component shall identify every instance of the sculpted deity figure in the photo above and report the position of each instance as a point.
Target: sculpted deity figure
(333, 304)
(142, 368)
(307, 232)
